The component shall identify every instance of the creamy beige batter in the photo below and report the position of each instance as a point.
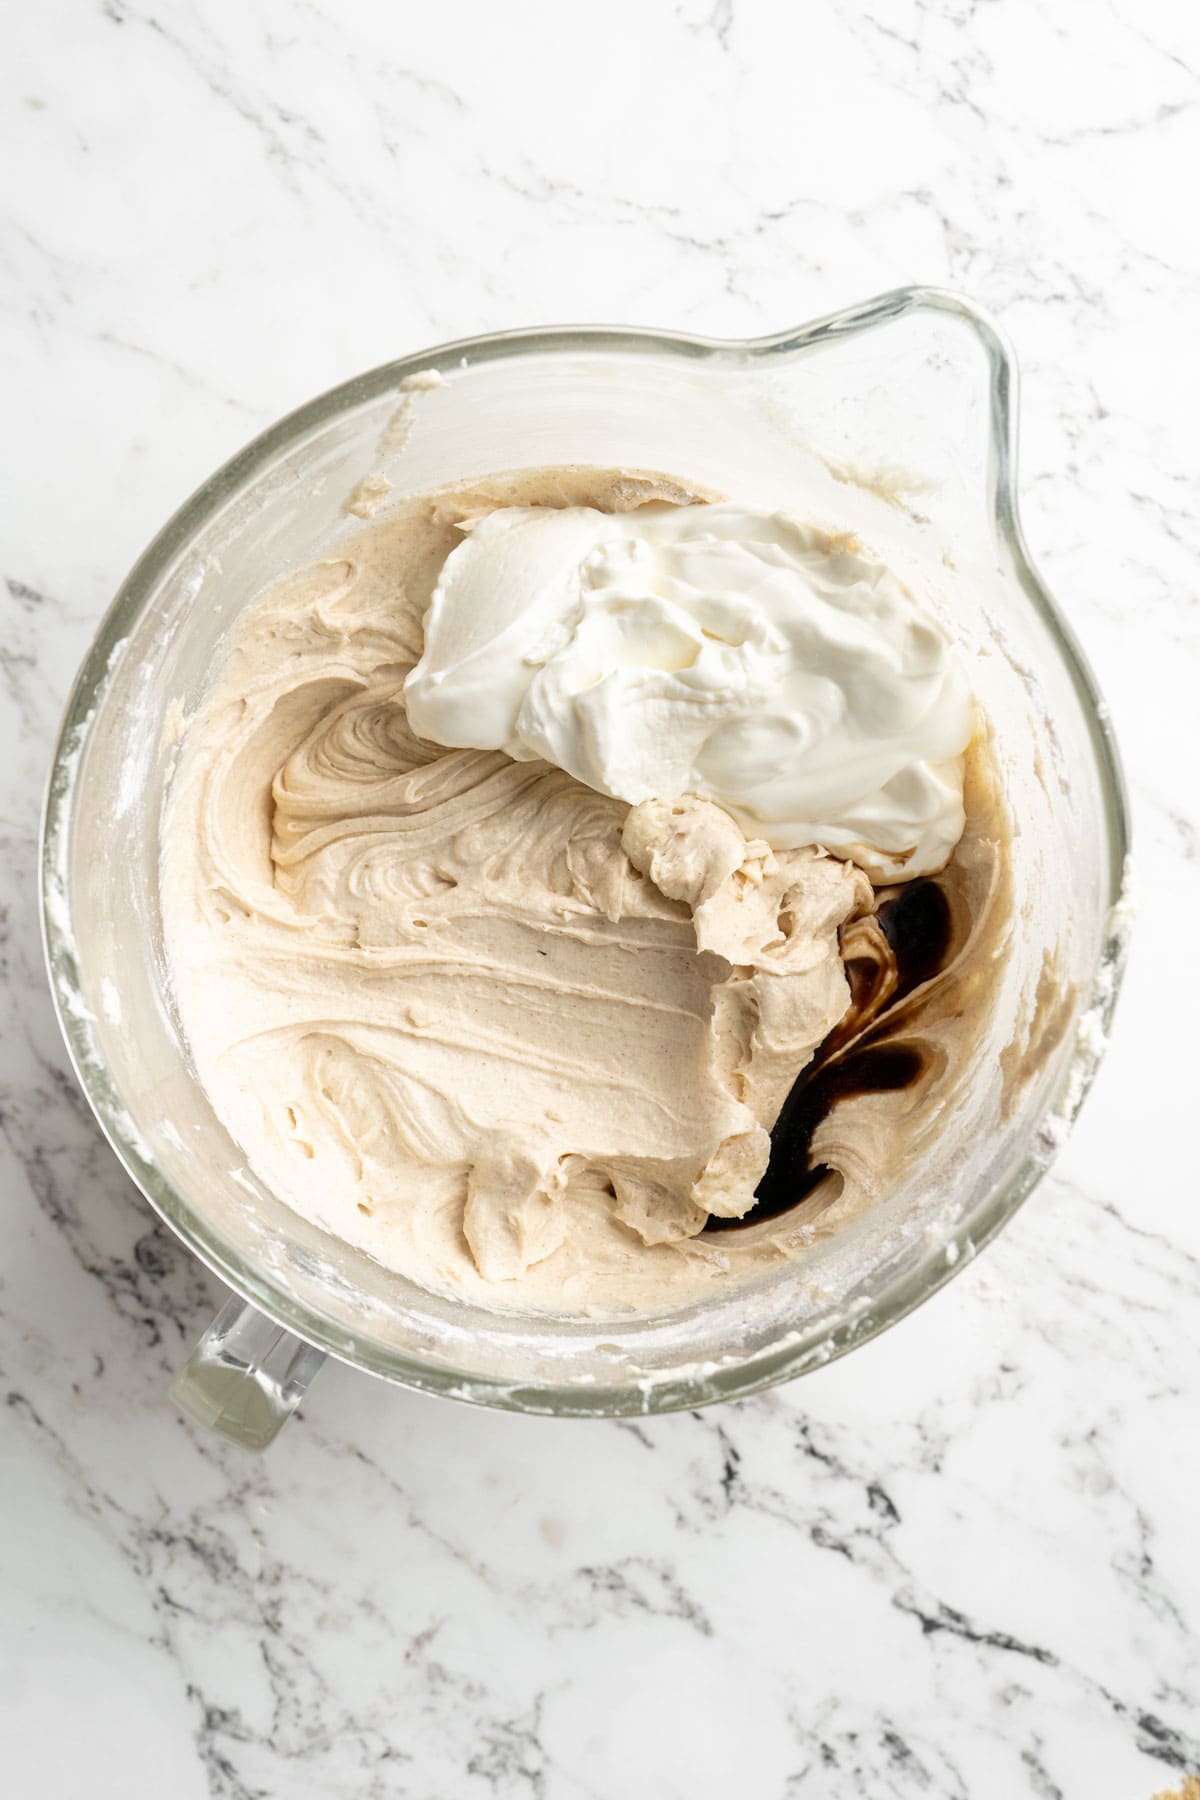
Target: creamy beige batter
(509, 1036)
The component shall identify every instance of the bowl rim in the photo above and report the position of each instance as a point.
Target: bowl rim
(797, 1352)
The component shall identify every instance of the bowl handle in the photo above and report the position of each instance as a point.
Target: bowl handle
(246, 1376)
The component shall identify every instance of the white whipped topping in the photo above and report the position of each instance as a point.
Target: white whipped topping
(713, 650)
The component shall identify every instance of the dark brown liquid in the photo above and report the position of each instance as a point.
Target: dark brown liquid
(917, 924)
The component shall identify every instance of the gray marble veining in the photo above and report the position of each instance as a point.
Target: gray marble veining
(961, 1563)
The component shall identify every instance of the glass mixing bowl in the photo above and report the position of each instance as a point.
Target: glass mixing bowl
(895, 420)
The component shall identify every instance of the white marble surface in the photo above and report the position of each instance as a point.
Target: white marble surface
(963, 1562)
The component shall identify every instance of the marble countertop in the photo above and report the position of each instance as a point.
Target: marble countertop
(962, 1562)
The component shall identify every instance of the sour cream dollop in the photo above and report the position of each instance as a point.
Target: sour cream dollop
(716, 650)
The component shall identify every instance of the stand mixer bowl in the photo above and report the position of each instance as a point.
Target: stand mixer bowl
(894, 420)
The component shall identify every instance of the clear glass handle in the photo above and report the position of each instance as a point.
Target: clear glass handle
(246, 1376)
